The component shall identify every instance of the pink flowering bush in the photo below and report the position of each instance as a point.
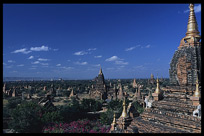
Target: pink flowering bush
(80, 126)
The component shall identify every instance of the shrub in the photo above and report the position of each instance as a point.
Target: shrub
(26, 118)
(51, 117)
(79, 126)
(88, 105)
(13, 102)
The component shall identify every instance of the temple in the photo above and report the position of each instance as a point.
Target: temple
(186, 62)
(99, 89)
(175, 108)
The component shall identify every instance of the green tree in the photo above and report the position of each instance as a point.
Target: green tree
(51, 117)
(26, 118)
(88, 105)
(70, 112)
(138, 107)
(13, 102)
(115, 105)
(106, 118)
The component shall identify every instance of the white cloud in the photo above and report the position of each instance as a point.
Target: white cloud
(4, 63)
(110, 68)
(88, 51)
(42, 48)
(24, 51)
(9, 66)
(97, 65)
(119, 62)
(67, 68)
(36, 62)
(81, 63)
(80, 53)
(32, 68)
(55, 49)
(31, 57)
(98, 56)
(131, 48)
(11, 61)
(148, 46)
(41, 59)
(197, 9)
(186, 11)
(91, 49)
(14, 71)
(139, 67)
(21, 65)
(58, 65)
(44, 64)
(113, 58)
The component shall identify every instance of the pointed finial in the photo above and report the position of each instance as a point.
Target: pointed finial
(157, 89)
(100, 71)
(114, 120)
(192, 28)
(152, 76)
(124, 113)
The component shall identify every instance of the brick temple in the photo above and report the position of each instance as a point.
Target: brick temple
(186, 62)
(175, 108)
(99, 89)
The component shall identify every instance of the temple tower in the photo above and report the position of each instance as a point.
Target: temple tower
(99, 89)
(120, 93)
(72, 93)
(134, 84)
(14, 93)
(186, 62)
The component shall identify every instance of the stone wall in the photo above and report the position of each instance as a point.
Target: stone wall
(184, 64)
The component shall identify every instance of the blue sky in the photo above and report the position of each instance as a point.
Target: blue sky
(73, 40)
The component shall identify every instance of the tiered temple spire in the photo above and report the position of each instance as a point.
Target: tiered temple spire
(124, 113)
(100, 71)
(192, 34)
(192, 28)
(158, 88)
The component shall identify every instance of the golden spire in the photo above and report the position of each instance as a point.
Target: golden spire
(197, 91)
(114, 120)
(157, 89)
(100, 71)
(124, 113)
(192, 28)
(152, 76)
